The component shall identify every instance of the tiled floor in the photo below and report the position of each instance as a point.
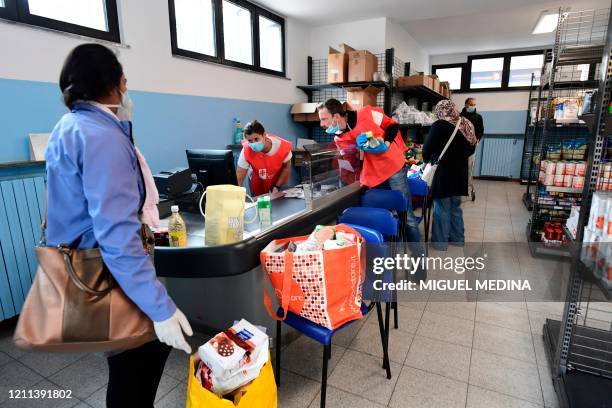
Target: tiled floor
(446, 353)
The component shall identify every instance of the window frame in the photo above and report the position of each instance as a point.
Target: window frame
(220, 59)
(19, 11)
(461, 65)
(466, 73)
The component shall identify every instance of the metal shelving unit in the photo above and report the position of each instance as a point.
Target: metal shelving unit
(569, 71)
(580, 345)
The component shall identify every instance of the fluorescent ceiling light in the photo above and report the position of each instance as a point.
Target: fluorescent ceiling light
(547, 22)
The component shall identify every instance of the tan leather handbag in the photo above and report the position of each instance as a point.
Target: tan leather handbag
(74, 304)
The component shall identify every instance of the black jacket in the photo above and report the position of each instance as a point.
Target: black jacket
(476, 120)
(451, 178)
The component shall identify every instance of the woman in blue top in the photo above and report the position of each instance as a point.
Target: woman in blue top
(94, 194)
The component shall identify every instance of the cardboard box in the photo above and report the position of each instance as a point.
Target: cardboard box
(415, 80)
(357, 98)
(362, 66)
(337, 64)
(445, 89)
(305, 112)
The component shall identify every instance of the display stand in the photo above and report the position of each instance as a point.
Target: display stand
(579, 346)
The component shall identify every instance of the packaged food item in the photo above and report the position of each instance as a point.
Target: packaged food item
(558, 181)
(560, 169)
(554, 151)
(580, 148)
(567, 180)
(578, 182)
(315, 240)
(549, 180)
(542, 177)
(372, 141)
(570, 168)
(177, 231)
(346, 236)
(264, 211)
(580, 169)
(229, 351)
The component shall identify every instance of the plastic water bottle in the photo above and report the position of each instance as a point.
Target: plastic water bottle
(238, 131)
(264, 210)
(177, 231)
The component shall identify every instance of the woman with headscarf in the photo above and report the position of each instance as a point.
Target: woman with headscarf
(451, 178)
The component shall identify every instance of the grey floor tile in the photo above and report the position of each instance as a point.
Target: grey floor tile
(177, 365)
(4, 359)
(537, 320)
(84, 376)
(362, 374)
(408, 318)
(337, 398)
(552, 308)
(506, 376)
(416, 388)
(177, 398)
(47, 364)
(305, 357)
(166, 384)
(446, 328)
(482, 398)
(345, 336)
(43, 402)
(503, 315)
(440, 357)
(7, 346)
(82, 405)
(462, 309)
(548, 389)
(505, 342)
(296, 391)
(16, 376)
(368, 341)
(98, 398)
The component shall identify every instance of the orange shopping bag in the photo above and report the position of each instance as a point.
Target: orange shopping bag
(321, 286)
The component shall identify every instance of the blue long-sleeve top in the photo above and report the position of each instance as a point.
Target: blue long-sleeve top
(94, 194)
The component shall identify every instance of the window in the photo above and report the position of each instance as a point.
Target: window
(230, 32)
(521, 68)
(486, 73)
(451, 75)
(91, 18)
(237, 33)
(195, 26)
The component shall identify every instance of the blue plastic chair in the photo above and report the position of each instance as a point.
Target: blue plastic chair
(420, 190)
(324, 335)
(383, 221)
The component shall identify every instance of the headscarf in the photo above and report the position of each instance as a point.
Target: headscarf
(447, 110)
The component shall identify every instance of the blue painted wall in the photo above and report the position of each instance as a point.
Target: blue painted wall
(164, 124)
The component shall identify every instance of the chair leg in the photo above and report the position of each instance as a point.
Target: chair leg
(384, 340)
(278, 352)
(326, 352)
(387, 317)
(395, 324)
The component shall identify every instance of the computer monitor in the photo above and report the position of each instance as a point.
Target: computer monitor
(212, 167)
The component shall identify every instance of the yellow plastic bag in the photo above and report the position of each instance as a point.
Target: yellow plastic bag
(224, 214)
(261, 393)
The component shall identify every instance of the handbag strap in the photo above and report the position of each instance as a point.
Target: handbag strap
(65, 251)
(450, 140)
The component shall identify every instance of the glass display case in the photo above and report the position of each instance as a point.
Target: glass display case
(326, 170)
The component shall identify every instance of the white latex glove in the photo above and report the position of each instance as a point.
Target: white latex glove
(170, 331)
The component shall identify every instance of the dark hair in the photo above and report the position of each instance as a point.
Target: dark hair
(254, 127)
(333, 106)
(468, 100)
(90, 72)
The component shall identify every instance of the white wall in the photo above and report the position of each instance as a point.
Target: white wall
(361, 35)
(406, 47)
(37, 55)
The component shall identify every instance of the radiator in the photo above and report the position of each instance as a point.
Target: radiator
(21, 208)
(497, 157)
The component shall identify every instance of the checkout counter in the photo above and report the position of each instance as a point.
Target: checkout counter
(215, 285)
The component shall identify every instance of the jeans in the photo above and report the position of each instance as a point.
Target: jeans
(399, 182)
(447, 222)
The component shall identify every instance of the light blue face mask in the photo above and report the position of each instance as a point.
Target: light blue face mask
(257, 146)
(471, 109)
(332, 130)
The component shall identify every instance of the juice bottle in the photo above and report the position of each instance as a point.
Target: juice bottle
(176, 228)
(264, 210)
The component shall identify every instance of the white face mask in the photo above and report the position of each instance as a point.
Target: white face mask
(125, 108)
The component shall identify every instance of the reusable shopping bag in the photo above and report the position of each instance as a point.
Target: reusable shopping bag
(261, 393)
(322, 286)
(224, 214)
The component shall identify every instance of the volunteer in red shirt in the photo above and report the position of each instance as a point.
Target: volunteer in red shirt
(383, 165)
(266, 157)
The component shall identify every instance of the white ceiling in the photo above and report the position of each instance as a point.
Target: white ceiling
(441, 26)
